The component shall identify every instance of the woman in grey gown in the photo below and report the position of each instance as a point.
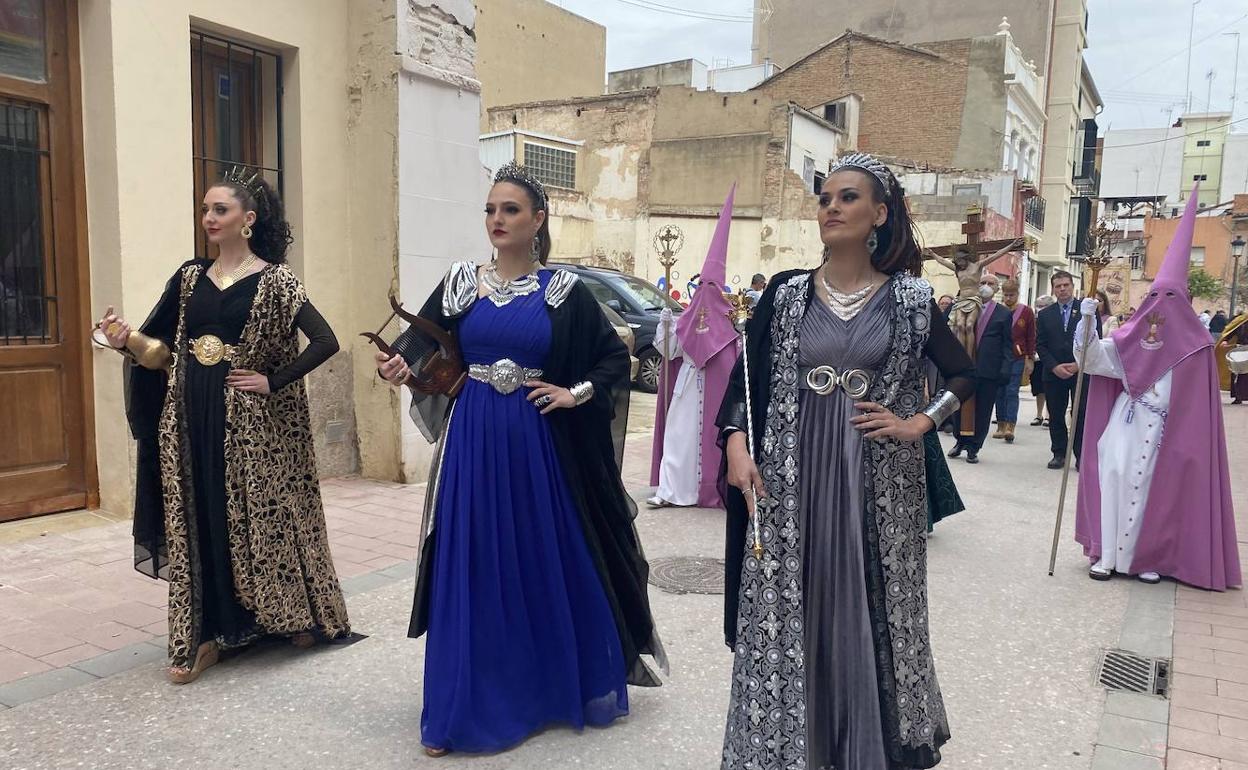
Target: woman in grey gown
(833, 667)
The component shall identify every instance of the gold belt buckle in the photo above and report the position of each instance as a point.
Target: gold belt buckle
(209, 350)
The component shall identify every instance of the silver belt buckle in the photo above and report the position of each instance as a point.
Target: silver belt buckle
(506, 376)
(824, 380)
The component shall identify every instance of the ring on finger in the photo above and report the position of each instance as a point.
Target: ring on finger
(542, 402)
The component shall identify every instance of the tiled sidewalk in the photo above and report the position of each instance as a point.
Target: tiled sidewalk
(72, 607)
(1209, 694)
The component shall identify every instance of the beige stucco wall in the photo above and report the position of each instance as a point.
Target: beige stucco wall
(533, 50)
(137, 116)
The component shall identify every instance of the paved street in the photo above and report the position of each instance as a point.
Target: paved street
(1015, 649)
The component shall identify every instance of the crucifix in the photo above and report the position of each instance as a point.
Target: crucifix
(966, 260)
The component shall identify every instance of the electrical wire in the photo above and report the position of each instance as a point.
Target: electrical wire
(1178, 53)
(689, 13)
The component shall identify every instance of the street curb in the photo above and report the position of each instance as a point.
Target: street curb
(1134, 731)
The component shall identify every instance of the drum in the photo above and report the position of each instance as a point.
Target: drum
(1237, 360)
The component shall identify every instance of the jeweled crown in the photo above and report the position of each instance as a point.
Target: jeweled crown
(868, 163)
(517, 174)
(250, 180)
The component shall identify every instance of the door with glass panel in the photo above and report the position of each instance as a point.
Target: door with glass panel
(43, 428)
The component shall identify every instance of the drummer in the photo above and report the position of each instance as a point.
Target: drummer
(1236, 358)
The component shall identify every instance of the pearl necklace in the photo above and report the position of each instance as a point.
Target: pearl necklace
(503, 291)
(846, 306)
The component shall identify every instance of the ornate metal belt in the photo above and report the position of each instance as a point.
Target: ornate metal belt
(505, 376)
(209, 350)
(824, 380)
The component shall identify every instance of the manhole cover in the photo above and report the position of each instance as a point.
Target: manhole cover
(688, 575)
(1127, 672)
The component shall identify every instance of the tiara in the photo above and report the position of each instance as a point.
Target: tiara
(250, 181)
(515, 173)
(869, 164)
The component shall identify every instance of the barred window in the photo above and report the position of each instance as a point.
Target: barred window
(552, 166)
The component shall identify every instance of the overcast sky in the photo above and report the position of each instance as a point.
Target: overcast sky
(1137, 50)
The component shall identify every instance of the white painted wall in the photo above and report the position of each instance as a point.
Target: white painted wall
(1234, 167)
(1142, 163)
(812, 139)
(442, 183)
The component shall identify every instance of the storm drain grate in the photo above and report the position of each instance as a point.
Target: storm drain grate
(1123, 671)
(687, 575)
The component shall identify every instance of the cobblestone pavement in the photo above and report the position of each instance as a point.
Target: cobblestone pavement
(81, 648)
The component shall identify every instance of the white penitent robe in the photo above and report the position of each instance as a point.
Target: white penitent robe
(680, 471)
(1126, 454)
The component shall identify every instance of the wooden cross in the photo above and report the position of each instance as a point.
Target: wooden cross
(973, 229)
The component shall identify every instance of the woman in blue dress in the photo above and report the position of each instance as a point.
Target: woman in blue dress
(532, 587)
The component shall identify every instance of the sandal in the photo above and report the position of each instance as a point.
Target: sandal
(435, 753)
(1036, 423)
(303, 640)
(208, 655)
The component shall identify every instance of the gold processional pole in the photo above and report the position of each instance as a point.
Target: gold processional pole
(1099, 242)
(667, 242)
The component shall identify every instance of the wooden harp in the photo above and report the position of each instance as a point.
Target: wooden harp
(430, 352)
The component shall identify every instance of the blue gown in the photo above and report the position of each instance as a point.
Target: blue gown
(521, 635)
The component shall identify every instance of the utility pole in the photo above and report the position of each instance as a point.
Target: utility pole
(1234, 74)
(1187, 78)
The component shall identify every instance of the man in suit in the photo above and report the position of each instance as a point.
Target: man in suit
(994, 359)
(1055, 344)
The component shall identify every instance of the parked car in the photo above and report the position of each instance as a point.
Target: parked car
(639, 303)
(625, 331)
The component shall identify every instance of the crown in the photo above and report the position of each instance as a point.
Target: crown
(869, 164)
(250, 181)
(517, 174)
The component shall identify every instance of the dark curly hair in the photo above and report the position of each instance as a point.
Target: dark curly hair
(270, 235)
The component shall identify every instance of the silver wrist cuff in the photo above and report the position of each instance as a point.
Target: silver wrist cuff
(582, 392)
(944, 406)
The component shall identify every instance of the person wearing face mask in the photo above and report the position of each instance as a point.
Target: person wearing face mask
(532, 588)
(992, 351)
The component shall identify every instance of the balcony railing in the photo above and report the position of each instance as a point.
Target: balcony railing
(1033, 212)
(1087, 179)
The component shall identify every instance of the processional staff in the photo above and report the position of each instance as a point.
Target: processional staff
(1098, 258)
(740, 315)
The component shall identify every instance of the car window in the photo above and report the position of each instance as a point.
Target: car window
(600, 290)
(643, 294)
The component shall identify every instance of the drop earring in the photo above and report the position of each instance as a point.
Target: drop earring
(537, 248)
(873, 241)
(246, 232)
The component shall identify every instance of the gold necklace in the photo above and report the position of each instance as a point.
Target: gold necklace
(227, 281)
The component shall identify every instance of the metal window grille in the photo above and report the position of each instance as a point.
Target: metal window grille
(236, 106)
(552, 166)
(28, 290)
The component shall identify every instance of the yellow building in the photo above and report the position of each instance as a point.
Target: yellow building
(116, 115)
(1204, 138)
(534, 51)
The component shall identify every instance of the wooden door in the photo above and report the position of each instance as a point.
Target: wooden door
(44, 432)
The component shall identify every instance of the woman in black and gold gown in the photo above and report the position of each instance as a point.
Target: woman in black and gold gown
(228, 506)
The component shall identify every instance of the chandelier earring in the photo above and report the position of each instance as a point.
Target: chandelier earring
(873, 241)
(537, 248)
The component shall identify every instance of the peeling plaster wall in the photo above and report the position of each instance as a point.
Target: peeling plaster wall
(599, 221)
(441, 182)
